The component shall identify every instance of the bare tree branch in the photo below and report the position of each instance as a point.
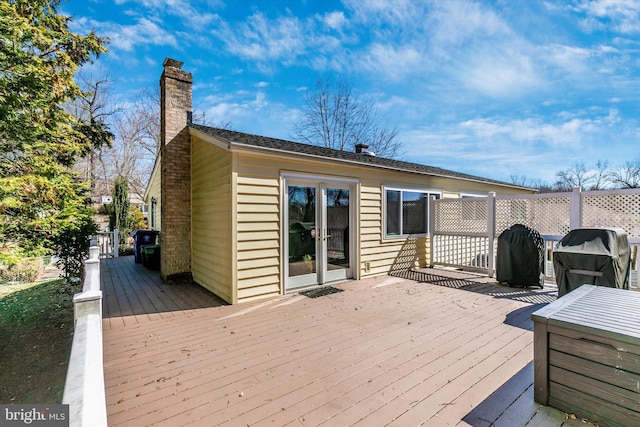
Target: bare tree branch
(575, 176)
(627, 175)
(336, 117)
(602, 176)
(93, 110)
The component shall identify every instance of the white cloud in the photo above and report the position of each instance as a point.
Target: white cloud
(501, 74)
(394, 62)
(189, 12)
(571, 59)
(454, 24)
(535, 147)
(334, 20)
(318, 42)
(251, 112)
(533, 130)
(262, 40)
(128, 37)
(622, 16)
(398, 13)
(236, 106)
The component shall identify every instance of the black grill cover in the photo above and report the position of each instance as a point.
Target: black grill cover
(593, 256)
(520, 257)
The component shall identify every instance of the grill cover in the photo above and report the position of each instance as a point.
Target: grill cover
(520, 257)
(594, 256)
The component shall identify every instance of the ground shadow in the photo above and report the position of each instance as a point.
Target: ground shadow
(512, 401)
(537, 298)
(477, 283)
(521, 317)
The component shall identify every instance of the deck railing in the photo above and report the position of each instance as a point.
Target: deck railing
(107, 241)
(464, 232)
(84, 386)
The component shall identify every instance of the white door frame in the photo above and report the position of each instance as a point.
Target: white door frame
(321, 276)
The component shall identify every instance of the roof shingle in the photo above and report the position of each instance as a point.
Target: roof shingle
(240, 138)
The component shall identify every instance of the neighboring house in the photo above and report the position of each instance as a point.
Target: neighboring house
(250, 216)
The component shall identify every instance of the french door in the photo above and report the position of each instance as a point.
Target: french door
(319, 226)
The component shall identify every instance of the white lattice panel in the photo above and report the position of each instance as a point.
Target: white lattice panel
(549, 215)
(621, 210)
(461, 216)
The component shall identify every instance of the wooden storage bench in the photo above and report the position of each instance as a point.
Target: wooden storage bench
(587, 355)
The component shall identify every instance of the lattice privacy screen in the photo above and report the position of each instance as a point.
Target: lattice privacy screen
(612, 210)
(461, 216)
(549, 216)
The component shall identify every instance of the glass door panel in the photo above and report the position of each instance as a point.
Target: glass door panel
(302, 261)
(337, 220)
(319, 227)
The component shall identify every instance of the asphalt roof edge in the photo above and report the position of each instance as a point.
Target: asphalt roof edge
(340, 156)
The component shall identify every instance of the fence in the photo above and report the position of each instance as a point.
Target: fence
(464, 231)
(336, 242)
(84, 385)
(107, 241)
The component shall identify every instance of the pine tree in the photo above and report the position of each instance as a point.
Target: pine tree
(120, 211)
(42, 203)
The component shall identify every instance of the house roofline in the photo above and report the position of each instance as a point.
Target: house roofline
(239, 147)
(154, 171)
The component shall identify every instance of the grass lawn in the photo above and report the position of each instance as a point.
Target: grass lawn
(36, 329)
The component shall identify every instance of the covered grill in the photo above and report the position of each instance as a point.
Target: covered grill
(520, 257)
(594, 256)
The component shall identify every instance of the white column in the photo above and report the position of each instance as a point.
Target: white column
(575, 219)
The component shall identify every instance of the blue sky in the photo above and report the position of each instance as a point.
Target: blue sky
(491, 88)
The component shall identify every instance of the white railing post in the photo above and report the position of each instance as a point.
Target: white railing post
(491, 231)
(432, 228)
(116, 239)
(575, 220)
(107, 243)
(84, 386)
(94, 250)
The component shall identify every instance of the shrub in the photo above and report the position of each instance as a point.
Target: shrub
(15, 266)
(136, 219)
(71, 243)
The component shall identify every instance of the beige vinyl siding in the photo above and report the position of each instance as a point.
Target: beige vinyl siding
(211, 221)
(380, 255)
(258, 208)
(237, 224)
(258, 225)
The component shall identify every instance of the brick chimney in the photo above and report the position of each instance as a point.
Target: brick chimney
(175, 115)
(361, 148)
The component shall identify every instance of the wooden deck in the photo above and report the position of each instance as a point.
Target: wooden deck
(430, 348)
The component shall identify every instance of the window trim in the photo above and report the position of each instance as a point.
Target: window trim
(385, 189)
(152, 214)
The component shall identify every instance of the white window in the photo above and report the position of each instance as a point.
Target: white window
(154, 204)
(406, 211)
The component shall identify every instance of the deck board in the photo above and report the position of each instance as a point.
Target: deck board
(385, 351)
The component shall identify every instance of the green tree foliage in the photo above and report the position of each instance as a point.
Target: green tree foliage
(41, 200)
(136, 219)
(120, 212)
